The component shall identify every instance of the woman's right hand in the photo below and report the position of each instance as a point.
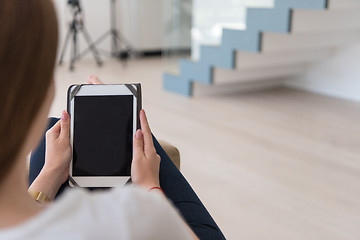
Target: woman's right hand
(93, 80)
(146, 163)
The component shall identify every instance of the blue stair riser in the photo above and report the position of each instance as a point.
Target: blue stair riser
(277, 19)
(218, 56)
(269, 20)
(305, 4)
(196, 71)
(177, 84)
(247, 40)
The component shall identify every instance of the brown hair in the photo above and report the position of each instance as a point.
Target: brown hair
(28, 44)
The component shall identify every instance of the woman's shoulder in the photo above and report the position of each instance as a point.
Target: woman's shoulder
(128, 213)
(115, 203)
(120, 213)
(104, 206)
(76, 197)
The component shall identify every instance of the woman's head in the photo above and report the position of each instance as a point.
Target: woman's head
(28, 44)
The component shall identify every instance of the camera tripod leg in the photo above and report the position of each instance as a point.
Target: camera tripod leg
(73, 52)
(92, 47)
(67, 38)
(114, 45)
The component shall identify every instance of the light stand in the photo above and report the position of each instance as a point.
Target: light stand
(120, 46)
(75, 27)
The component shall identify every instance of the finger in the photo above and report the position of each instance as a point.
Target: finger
(94, 80)
(138, 144)
(97, 80)
(148, 141)
(65, 125)
(54, 131)
(90, 79)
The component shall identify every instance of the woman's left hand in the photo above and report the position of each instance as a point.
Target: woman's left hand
(58, 149)
(57, 159)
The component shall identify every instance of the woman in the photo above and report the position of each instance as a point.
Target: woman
(28, 43)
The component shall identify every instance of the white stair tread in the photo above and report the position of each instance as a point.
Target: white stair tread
(320, 20)
(340, 4)
(248, 60)
(299, 41)
(225, 76)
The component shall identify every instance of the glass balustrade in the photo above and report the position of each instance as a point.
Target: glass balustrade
(192, 23)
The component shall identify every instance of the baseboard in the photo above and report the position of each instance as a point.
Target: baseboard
(324, 92)
(163, 52)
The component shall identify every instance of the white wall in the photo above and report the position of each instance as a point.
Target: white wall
(337, 77)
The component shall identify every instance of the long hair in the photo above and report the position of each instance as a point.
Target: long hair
(28, 45)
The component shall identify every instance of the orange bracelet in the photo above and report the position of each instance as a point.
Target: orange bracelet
(157, 188)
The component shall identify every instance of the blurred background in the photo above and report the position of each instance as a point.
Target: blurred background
(261, 97)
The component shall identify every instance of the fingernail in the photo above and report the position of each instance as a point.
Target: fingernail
(138, 134)
(64, 116)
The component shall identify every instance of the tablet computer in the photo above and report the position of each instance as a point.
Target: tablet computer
(104, 120)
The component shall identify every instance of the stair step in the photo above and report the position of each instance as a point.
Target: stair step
(341, 4)
(196, 70)
(300, 41)
(307, 4)
(268, 19)
(248, 60)
(177, 84)
(317, 20)
(226, 76)
(278, 19)
(217, 55)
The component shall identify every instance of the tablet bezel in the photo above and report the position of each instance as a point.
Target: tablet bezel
(100, 90)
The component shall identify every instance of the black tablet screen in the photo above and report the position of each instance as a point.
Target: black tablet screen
(103, 128)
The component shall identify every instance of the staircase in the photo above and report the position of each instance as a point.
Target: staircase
(278, 42)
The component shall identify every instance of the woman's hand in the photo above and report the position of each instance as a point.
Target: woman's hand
(94, 80)
(146, 163)
(58, 149)
(57, 159)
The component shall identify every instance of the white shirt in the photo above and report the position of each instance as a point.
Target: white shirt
(121, 213)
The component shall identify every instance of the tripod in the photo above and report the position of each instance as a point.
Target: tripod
(120, 46)
(75, 27)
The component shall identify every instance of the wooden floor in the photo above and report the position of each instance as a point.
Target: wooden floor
(275, 164)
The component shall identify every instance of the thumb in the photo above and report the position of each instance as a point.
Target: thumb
(138, 143)
(54, 132)
(65, 125)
